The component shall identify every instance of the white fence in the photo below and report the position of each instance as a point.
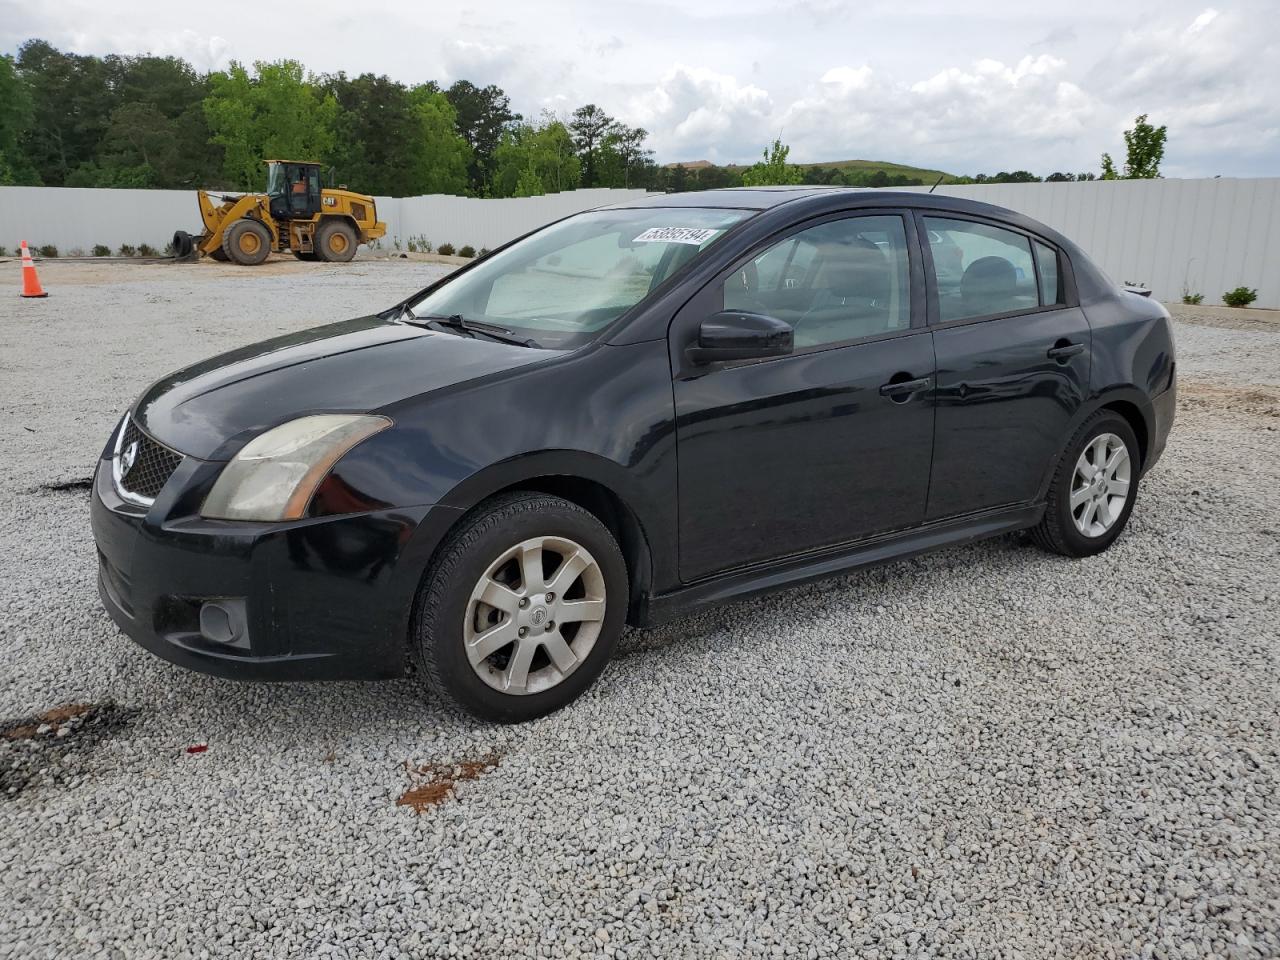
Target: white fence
(74, 217)
(1211, 235)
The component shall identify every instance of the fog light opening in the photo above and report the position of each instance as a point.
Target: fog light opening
(224, 622)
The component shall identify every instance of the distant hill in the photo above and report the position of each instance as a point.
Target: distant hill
(925, 174)
(869, 166)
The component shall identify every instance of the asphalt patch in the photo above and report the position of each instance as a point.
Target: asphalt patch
(82, 485)
(54, 748)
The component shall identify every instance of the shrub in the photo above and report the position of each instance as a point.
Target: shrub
(1192, 298)
(76, 252)
(127, 250)
(101, 250)
(4, 251)
(445, 249)
(467, 251)
(484, 251)
(146, 250)
(50, 251)
(1239, 297)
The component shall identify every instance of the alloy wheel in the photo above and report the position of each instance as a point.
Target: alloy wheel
(534, 615)
(1100, 485)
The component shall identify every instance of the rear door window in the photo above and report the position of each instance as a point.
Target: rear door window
(980, 270)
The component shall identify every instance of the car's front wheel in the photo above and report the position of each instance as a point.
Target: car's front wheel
(1093, 489)
(522, 607)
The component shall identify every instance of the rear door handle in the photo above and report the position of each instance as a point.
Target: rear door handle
(1065, 351)
(905, 387)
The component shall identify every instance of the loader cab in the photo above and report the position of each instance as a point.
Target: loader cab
(293, 189)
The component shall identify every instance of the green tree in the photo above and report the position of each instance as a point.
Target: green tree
(589, 126)
(377, 134)
(529, 184)
(773, 170)
(1144, 149)
(482, 114)
(441, 157)
(544, 150)
(72, 100)
(624, 157)
(275, 114)
(15, 119)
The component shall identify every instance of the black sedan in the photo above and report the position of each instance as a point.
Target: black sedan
(618, 418)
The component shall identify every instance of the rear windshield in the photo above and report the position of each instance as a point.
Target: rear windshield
(564, 284)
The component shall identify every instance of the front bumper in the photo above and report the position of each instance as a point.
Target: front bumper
(328, 598)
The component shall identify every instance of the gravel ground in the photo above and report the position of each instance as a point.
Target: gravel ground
(986, 752)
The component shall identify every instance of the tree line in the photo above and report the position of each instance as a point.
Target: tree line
(143, 121)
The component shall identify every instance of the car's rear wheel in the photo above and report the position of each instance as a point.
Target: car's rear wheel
(522, 608)
(1093, 489)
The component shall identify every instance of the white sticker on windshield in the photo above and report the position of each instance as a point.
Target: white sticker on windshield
(694, 235)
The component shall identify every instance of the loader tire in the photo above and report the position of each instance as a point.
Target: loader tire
(218, 254)
(247, 242)
(309, 255)
(336, 241)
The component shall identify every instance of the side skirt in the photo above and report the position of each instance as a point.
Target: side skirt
(795, 570)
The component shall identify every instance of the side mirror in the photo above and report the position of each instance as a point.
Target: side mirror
(735, 335)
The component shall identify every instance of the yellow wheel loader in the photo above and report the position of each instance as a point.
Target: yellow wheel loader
(295, 214)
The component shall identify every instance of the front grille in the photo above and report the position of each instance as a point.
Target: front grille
(143, 465)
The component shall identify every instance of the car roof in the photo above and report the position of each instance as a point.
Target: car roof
(740, 198)
(765, 198)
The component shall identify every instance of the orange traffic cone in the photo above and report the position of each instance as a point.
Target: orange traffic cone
(30, 282)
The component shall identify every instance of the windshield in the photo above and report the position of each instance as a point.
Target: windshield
(275, 180)
(562, 285)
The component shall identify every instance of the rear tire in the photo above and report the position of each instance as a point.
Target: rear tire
(539, 559)
(1093, 489)
(247, 242)
(336, 241)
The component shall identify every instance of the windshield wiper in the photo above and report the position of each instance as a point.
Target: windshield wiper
(457, 321)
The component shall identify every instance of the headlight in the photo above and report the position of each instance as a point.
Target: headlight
(275, 474)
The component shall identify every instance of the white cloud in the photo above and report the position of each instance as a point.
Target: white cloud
(696, 109)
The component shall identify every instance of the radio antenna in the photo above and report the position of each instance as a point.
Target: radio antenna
(935, 186)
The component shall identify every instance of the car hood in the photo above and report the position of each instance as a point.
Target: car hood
(211, 409)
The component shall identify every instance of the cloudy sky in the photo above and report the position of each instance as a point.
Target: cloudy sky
(963, 87)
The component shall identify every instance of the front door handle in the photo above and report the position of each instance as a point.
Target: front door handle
(904, 388)
(1063, 351)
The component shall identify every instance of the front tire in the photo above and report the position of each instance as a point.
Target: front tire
(522, 607)
(247, 242)
(1093, 490)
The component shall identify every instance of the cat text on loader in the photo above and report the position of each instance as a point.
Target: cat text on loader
(295, 214)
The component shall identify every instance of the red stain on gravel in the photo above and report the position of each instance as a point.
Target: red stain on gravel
(197, 748)
(438, 780)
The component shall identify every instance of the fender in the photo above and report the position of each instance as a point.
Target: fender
(1121, 393)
